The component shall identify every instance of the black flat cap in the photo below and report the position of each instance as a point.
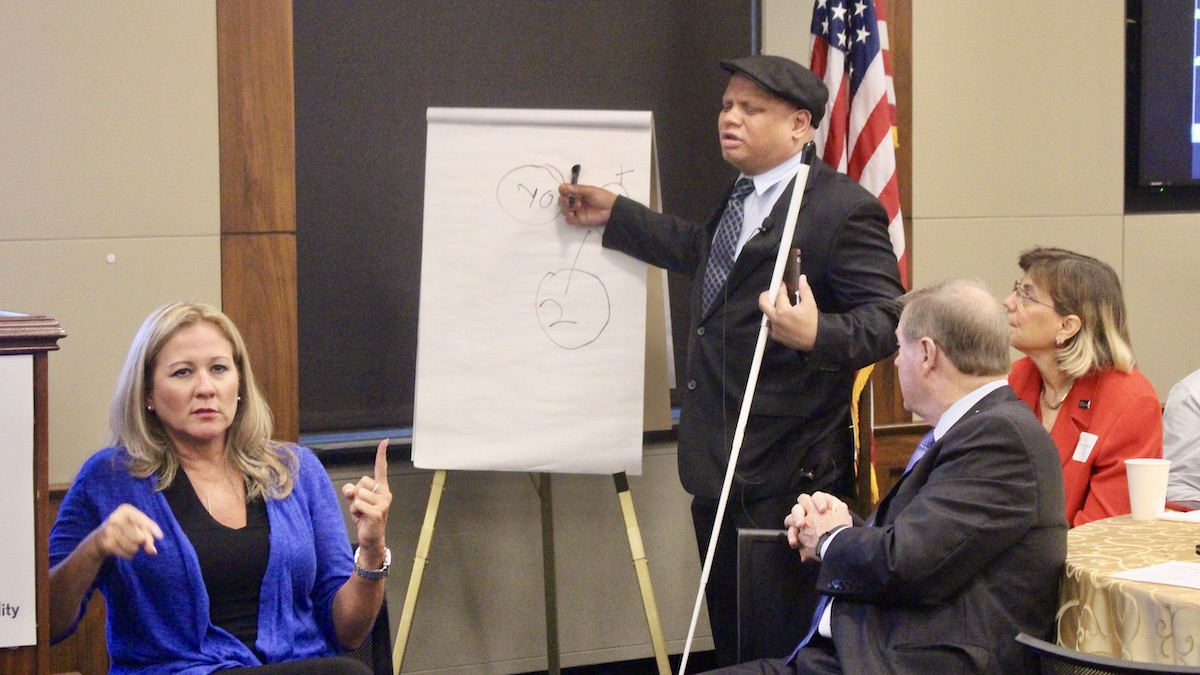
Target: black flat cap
(786, 79)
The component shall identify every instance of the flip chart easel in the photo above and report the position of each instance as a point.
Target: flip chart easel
(543, 483)
(533, 339)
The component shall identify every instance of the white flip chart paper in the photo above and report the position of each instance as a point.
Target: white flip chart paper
(531, 336)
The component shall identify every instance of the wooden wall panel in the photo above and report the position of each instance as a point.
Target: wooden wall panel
(893, 447)
(258, 194)
(900, 38)
(889, 404)
(257, 116)
(258, 287)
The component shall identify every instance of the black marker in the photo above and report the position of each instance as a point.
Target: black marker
(574, 180)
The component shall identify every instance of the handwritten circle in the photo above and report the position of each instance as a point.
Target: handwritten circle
(529, 193)
(573, 307)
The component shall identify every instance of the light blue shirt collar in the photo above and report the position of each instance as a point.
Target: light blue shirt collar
(768, 185)
(955, 412)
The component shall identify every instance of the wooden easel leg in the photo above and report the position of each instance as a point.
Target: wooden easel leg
(549, 574)
(414, 582)
(643, 572)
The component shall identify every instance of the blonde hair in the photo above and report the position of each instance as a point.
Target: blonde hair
(267, 466)
(1089, 289)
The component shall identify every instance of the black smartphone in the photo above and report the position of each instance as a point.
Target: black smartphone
(791, 276)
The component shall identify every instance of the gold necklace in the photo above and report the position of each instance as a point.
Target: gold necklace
(1056, 406)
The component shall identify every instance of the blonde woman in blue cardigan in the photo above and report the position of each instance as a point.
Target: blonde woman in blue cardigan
(215, 547)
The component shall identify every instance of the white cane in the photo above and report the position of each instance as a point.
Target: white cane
(789, 229)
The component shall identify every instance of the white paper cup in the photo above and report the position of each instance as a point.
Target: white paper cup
(1147, 486)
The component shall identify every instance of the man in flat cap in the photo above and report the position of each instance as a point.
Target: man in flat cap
(798, 437)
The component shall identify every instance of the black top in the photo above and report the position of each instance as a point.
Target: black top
(232, 561)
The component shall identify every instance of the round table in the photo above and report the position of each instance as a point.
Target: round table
(1134, 620)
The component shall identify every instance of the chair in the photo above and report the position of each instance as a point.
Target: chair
(767, 620)
(1056, 660)
(769, 623)
(376, 652)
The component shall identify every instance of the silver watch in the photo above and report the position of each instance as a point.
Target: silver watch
(374, 575)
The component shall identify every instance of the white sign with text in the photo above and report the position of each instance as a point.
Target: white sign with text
(18, 594)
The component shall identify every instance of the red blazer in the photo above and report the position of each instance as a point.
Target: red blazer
(1122, 410)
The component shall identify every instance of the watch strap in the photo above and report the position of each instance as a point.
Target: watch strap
(373, 575)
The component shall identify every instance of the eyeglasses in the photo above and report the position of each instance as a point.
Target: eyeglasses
(1024, 294)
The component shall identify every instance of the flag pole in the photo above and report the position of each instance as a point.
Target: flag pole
(789, 228)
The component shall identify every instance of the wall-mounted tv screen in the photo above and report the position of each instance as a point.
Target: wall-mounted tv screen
(1162, 106)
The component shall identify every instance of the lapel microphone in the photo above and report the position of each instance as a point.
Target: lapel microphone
(767, 224)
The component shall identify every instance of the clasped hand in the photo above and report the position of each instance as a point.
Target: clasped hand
(812, 516)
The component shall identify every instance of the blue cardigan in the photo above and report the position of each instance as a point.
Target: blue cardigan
(158, 614)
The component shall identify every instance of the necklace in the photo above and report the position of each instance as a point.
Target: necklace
(1056, 406)
(225, 485)
(208, 497)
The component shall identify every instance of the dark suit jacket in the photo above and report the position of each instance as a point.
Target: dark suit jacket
(967, 551)
(798, 435)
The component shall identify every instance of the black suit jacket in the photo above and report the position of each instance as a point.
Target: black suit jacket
(798, 436)
(966, 551)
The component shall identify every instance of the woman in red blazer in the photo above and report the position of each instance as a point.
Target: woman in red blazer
(1068, 317)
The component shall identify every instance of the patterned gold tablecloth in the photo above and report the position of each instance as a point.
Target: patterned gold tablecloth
(1129, 619)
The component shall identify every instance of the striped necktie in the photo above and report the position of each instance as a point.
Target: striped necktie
(724, 244)
(922, 448)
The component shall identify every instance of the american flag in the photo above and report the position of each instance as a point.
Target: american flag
(858, 135)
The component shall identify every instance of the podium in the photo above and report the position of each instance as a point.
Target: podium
(24, 343)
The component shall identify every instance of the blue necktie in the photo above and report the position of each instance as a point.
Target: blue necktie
(724, 244)
(922, 448)
(822, 603)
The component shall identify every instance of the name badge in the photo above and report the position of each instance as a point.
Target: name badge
(1083, 449)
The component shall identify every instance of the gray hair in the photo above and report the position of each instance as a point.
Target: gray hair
(965, 320)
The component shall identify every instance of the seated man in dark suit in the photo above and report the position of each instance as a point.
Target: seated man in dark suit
(967, 549)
